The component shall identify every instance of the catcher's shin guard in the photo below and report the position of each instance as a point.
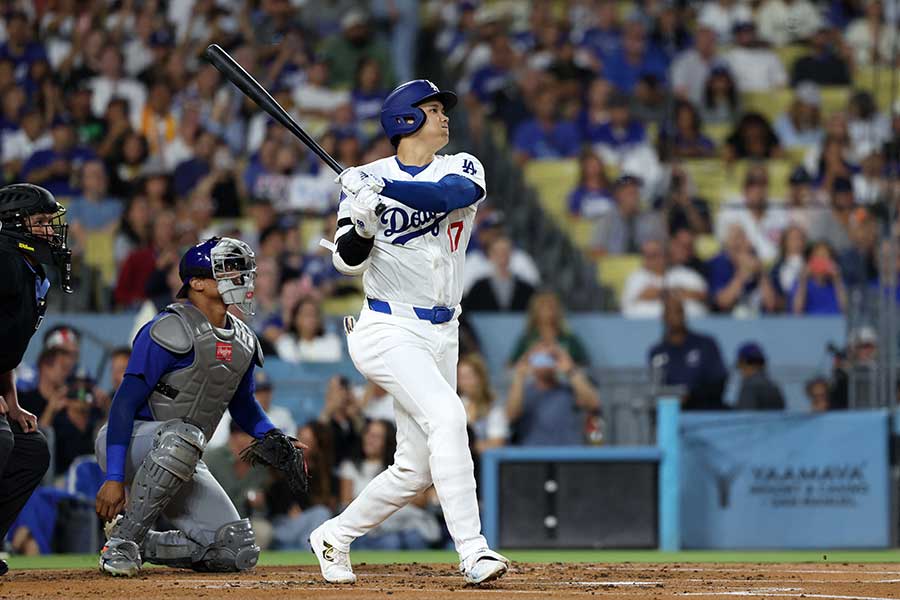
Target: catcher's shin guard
(166, 468)
(235, 549)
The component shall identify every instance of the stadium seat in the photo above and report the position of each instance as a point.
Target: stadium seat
(310, 230)
(553, 180)
(710, 177)
(707, 246)
(613, 270)
(98, 253)
(790, 53)
(718, 133)
(779, 171)
(342, 305)
(876, 80)
(581, 231)
(770, 104)
(834, 99)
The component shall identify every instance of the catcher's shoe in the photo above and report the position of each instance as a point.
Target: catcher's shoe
(334, 563)
(120, 558)
(483, 565)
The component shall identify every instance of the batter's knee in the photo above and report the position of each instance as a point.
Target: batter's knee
(415, 480)
(234, 549)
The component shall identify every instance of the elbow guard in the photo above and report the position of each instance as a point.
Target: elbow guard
(351, 255)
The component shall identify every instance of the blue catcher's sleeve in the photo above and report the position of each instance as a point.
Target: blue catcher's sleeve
(450, 193)
(148, 362)
(246, 411)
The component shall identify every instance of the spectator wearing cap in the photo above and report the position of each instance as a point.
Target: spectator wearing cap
(691, 67)
(867, 126)
(622, 142)
(64, 338)
(819, 290)
(88, 128)
(591, 197)
(113, 83)
(478, 266)
(30, 137)
(756, 67)
(824, 65)
(757, 391)
(189, 172)
(55, 168)
(870, 38)
(500, 291)
(722, 15)
(646, 287)
(343, 51)
(762, 223)
(636, 57)
(802, 124)
(19, 46)
(546, 136)
(753, 138)
(624, 229)
(603, 35)
(721, 102)
(737, 281)
(783, 22)
(482, 87)
(861, 355)
(687, 358)
(280, 416)
(835, 225)
(802, 205)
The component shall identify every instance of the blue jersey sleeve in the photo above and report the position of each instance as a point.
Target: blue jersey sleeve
(148, 362)
(450, 193)
(246, 411)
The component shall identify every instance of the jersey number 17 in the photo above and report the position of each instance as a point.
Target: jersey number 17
(454, 231)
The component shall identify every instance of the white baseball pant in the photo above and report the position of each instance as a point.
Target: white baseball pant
(415, 361)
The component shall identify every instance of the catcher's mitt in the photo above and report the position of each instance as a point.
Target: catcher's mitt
(278, 451)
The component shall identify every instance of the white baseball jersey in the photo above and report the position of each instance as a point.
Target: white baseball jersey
(418, 256)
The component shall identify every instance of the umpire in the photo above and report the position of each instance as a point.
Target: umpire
(32, 234)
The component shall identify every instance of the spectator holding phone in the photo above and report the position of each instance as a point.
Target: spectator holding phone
(819, 290)
(548, 397)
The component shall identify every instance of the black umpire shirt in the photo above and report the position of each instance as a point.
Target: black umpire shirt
(23, 288)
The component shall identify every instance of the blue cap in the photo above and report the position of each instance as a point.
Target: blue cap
(750, 352)
(196, 262)
(400, 113)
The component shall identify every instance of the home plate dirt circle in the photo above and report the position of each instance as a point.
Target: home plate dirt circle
(438, 582)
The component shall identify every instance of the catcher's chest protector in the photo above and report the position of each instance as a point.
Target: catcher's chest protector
(201, 392)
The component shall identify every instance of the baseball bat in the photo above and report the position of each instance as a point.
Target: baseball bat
(251, 88)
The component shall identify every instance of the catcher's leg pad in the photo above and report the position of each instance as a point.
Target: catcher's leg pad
(170, 548)
(166, 468)
(234, 549)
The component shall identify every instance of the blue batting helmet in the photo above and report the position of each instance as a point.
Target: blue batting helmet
(400, 113)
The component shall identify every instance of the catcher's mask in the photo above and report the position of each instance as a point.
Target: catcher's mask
(230, 262)
(32, 223)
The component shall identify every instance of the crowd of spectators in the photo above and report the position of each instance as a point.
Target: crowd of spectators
(636, 91)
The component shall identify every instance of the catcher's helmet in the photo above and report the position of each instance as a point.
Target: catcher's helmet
(400, 113)
(230, 262)
(19, 202)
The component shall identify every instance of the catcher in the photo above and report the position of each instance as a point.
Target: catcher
(188, 364)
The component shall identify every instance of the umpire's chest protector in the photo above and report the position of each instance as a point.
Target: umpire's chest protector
(201, 392)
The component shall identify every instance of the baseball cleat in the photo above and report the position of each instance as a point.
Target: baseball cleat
(334, 564)
(120, 558)
(483, 566)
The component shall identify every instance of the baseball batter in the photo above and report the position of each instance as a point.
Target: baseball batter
(411, 257)
(189, 364)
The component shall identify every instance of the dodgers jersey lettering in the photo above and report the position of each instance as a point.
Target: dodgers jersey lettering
(418, 256)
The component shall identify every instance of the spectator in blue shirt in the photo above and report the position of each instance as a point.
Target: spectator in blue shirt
(545, 136)
(819, 290)
(19, 47)
(635, 58)
(604, 39)
(367, 95)
(189, 172)
(94, 209)
(735, 278)
(494, 76)
(622, 132)
(688, 359)
(547, 410)
(591, 197)
(56, 167)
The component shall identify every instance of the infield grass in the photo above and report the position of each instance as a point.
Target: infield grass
(89, 561)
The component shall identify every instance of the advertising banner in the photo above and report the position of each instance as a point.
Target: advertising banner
(784, 480)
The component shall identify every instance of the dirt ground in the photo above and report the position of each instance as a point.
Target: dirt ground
(840, 581)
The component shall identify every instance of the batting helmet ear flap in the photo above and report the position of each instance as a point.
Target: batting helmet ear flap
(400, 113)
